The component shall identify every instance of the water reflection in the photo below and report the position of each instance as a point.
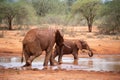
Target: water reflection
(9, 59)
(103, 63)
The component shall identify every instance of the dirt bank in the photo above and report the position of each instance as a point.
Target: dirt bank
(11, 74)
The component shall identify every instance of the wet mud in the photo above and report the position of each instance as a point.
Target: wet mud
(96, 63)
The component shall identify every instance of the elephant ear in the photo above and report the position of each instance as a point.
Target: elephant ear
(58, 38)
(84, 44)
(78, 44)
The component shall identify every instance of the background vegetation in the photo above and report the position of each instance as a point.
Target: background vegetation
(102, 13)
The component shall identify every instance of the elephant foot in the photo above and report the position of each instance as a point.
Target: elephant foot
(26, 65)
(53, 63)
(45, 68)
(75, 62)
(60, 62)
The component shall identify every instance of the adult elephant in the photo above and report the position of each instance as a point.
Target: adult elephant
(36, 41)
(73, 48)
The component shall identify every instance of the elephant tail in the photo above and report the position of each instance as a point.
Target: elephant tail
(22, 54)
(22, 58)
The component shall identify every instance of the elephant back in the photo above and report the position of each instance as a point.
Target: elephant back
(30, 36)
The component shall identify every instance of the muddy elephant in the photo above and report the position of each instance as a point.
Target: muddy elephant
(73, 48)
(36, 41)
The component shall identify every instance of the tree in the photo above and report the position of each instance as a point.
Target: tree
(13, 10)
(110, 12)
(8, 12)
(50, 11)
(69, 4)
(88, 9)
(26, 14)
(44, 7)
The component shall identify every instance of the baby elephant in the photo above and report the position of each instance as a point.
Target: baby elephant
(72, 48)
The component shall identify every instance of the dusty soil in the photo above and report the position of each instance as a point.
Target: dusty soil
(11, 45)
(11, 74)
(100, 44)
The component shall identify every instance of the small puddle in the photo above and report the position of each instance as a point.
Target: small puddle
(96, 63)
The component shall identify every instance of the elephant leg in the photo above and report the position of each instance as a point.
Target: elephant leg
(55, 55)
(26, 58)
(47, 58)
(60, 55)
(60, 59)
(52, 60)
(29, 61)
(32, 57)
(75, 58)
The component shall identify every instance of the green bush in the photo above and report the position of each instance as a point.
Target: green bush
(109, 27)
(53, 19)
(110, 13)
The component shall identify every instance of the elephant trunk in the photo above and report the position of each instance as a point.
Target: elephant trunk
(90, 53)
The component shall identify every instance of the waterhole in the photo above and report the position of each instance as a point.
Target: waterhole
(96, 63)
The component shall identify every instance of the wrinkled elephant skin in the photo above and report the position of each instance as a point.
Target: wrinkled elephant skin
(38, 40)
(73, 48)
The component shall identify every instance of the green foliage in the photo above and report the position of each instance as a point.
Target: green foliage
(53, 19)
(69, 3)
(50, 11)
(15, 11)
(88, 9)
(111, 17)
(8, 12)
(44, 7)
(26, 14)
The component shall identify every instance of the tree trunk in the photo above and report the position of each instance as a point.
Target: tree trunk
(9, 23)
(90, 27)
(89, 23)
(2, 33)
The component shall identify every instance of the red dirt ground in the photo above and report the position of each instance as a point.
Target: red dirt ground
(11, 45)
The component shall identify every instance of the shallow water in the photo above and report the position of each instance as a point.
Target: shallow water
(96, 63)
